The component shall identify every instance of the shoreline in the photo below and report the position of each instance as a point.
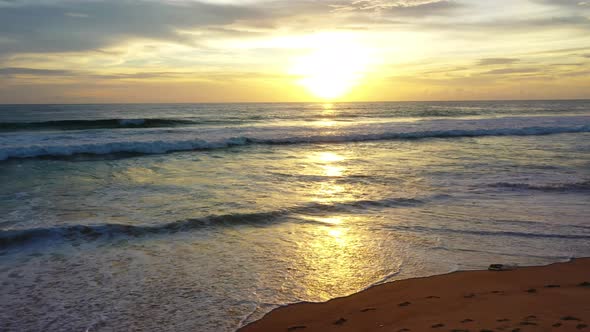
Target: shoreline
(533, 298)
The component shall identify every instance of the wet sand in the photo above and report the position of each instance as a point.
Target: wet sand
(549, 298)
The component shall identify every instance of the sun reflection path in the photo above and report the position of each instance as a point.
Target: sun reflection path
(336, 255)
(328, 163)
(333, 258)
(329, 220)
(328, 254)
(329, 166)
(327, 113)
(329, 157)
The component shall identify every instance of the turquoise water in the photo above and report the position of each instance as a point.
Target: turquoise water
(205, 217)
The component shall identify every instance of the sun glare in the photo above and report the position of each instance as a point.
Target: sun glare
(332, 70)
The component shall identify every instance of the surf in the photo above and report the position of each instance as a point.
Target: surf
(159, 141)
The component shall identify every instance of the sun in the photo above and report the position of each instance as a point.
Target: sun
(332, 70)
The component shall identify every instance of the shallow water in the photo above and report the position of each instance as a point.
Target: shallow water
(207, 216)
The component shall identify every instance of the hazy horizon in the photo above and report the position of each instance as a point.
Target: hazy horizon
(184, 51)
(307, 102)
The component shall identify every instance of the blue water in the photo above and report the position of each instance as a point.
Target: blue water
(203, 217)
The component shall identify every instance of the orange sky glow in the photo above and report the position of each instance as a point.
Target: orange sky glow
(64, 51)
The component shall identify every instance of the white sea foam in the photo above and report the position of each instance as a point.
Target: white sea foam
(159, 141)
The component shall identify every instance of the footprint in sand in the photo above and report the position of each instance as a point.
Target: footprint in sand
(468, 296)
(368, 309)
(340, 321)
(467, 320)
(531, 290)
(552, 286)
(439, 325)
(503, 320)
(569, 318)
(527, 323)
(295, 328)
(404, 304)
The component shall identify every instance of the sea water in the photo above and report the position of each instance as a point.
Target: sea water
(203, 217)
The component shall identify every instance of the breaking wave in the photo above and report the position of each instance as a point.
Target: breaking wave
(166, 146)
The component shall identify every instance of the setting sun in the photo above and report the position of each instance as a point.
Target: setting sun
(332, 71)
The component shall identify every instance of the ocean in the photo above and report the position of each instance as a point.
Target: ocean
(204, 217)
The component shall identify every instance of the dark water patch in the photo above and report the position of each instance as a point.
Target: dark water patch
(533, 224)
(105, 124)
(551, 187)
(434, 230)
(520, 254)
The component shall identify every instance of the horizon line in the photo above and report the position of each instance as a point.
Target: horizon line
(302, 102)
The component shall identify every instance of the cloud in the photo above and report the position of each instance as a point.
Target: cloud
(516, 25)
(578, 73)
(573, 20)
(27, 73)
(401, 8)
(12, 71)
(577, 4)
(431, 8)
(62, 26)
(562, 50)
(571, 64)
(15, 72)
(505, 71)
(66, 25)
(496, 61)
(53, 26)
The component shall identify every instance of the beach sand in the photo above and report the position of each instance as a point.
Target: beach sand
(548, 298)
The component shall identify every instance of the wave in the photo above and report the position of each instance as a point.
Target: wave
(11, 238)
(551, 187)
(167, 146)
(425, 229)
(94, 124)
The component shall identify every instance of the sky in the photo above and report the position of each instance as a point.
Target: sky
(123, 51)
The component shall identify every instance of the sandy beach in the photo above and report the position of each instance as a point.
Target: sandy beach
(547, 298)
